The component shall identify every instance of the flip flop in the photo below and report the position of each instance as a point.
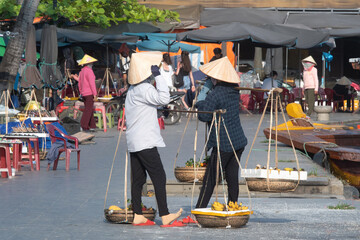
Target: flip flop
(147, 223)
(188, 219)
(175, 223)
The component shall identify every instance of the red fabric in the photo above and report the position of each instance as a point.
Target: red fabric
(161, 123)
(245, 99)
(87, 120)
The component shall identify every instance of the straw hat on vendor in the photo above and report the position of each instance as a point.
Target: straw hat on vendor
(140, 66)
(309, 59)
(87, 59)
(344, 81)
(221, 70)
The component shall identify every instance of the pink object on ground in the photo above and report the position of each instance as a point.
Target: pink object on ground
(147, 223)
(175, 223)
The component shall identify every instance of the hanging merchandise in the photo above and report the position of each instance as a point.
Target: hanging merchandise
(273, 178)
(327, 57)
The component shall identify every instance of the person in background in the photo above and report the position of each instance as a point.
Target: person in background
(166, 70)
(124, 63)
(208, 85)
(311, 82)
(224, 96)
(270, 82)
(87, 90)
(184, 69)
(344, 90)
(217, 54)
(143, 134)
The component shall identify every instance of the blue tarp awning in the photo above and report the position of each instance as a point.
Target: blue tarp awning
(165, 46)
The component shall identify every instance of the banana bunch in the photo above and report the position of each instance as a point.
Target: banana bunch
(234, 206)
(114, 207)
(218, 206)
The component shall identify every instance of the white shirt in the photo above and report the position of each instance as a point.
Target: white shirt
(167, 75)
(269, 83)
(142, 126)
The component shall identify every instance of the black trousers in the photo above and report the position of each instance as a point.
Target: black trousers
(231, 168)
(149, 161)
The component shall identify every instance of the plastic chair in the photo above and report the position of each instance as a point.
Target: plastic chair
(51, 129)
(259, 101)
(286, 96)
(299, 96)
(321, 97)
(330, 99)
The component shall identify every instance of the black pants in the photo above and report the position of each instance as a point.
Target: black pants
(148, 160)
(231, 168)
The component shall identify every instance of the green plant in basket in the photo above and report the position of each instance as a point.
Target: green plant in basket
(190, 163)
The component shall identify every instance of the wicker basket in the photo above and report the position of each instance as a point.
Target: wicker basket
(221, 220)
(275, 185)
(118, 216)
(187, 174)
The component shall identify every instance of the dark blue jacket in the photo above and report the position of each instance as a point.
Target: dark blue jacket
(224, 96)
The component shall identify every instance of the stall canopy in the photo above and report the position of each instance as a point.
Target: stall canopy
(337, 25)
(324, 20)
(237, 32)
(266, 35)
(72, 36)
(213, 17)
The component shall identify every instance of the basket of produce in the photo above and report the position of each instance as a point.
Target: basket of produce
(191, 171)
(116, 214)
(222, 216)
(273, 180)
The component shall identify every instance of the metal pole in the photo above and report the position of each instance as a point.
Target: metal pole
(286, 64)
(323, 72)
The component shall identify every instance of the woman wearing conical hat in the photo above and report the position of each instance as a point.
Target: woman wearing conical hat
(343, 91)
(143, 133)
(311, 82)
(87, 90)
(223, 96)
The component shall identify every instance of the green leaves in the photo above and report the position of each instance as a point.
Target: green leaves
(100, 12)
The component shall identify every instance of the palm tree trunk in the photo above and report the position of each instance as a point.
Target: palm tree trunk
(11, 60)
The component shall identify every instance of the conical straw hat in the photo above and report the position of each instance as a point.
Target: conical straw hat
(87, 59)
(309, 59)
(344, 81)
(222, 70)
(140, 65)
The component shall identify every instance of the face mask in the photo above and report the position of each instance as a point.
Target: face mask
(308, 65)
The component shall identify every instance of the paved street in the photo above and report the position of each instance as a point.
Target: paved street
(69, 205)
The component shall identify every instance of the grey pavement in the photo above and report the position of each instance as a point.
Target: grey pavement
(69, 205)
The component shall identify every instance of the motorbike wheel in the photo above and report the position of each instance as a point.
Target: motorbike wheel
(171, 118)
(115, 108)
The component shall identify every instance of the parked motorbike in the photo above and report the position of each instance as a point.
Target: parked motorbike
(172, 117)
(115, 106)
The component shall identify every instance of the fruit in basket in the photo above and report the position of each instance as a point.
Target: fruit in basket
(114, 207)
(108, 96)
(232, 206)
(288, 169)
(218, 206)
